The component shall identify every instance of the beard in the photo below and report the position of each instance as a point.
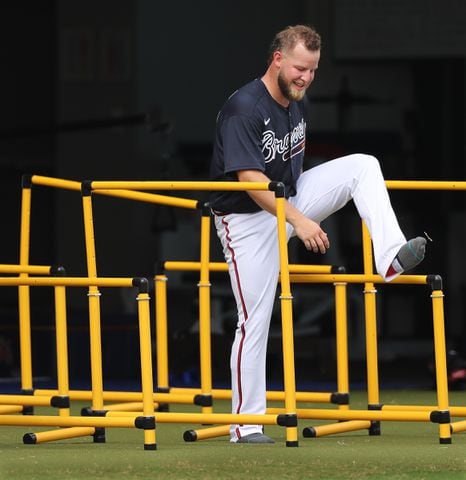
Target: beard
(287, 90)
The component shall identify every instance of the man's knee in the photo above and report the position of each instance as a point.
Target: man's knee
(366, 160)
(366, 163)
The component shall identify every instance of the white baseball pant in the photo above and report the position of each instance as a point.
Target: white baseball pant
(250, 247)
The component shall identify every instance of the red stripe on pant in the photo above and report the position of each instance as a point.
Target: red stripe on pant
(245, 315)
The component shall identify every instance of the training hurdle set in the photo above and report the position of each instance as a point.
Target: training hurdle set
(288, 416)
(438, 414)
(94, 310)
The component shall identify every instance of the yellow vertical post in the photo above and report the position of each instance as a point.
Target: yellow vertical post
(287, 322)
(24, 309)
(440, 357)
(373, 397)
(61, 345)
(341, 340)
(161, 334)
(204, 313)
(145, 344)
(94, 302)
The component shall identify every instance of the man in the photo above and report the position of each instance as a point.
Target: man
(260, 137)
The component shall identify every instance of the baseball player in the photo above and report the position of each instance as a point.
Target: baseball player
(260, 137)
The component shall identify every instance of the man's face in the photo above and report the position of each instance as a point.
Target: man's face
(296, 72)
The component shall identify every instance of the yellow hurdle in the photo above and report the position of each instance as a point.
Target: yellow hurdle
(94, 312)
(287, 416)
(61, 400)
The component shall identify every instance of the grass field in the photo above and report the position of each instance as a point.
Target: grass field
(404, 450)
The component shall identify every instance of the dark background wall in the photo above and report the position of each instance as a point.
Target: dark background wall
(391, 82)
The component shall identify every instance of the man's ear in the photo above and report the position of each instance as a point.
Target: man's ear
(277, 58)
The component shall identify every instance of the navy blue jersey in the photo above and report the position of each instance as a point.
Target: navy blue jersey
(254, 132)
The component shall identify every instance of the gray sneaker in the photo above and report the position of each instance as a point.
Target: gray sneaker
(255, 438)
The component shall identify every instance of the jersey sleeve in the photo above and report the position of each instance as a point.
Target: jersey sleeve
(242, 144)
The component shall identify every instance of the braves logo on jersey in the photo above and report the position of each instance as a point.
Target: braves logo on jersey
(271, 145)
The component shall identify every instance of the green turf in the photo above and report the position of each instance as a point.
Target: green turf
(405, 450)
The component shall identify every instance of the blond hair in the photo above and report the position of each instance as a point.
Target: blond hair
(286, 39)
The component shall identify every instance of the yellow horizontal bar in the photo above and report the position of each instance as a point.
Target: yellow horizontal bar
(181, 185)
(223, 267)
(424, 185)
(141, 196)
(217, 393)
(316, 397)
(454, 411)
(194, 266)
(329, 414)
(457, 427)
(150, 198)
(67, 281)
(34, 269)
(11, 409)
(56, 182)
(215, 418)
(124, 413)
(270, 418)
(64, 433)
(57, 421)
(206, 185)
(212, 432)
(202, 418)
(126, 406)
(29, 400)
(73, 394)
(114, 396)
(341, 427)
(357, 278)
(313, 269)
(189, 185)
(273, 395)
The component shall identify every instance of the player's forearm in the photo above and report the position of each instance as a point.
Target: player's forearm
(266, 199)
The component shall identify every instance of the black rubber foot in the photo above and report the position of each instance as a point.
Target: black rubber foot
(309, 432)
(445, 441)
(163, 407)
(374, 429)
(99, 435)
(29, 438)
(292, 444)
(150, 446)
(190, 436)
